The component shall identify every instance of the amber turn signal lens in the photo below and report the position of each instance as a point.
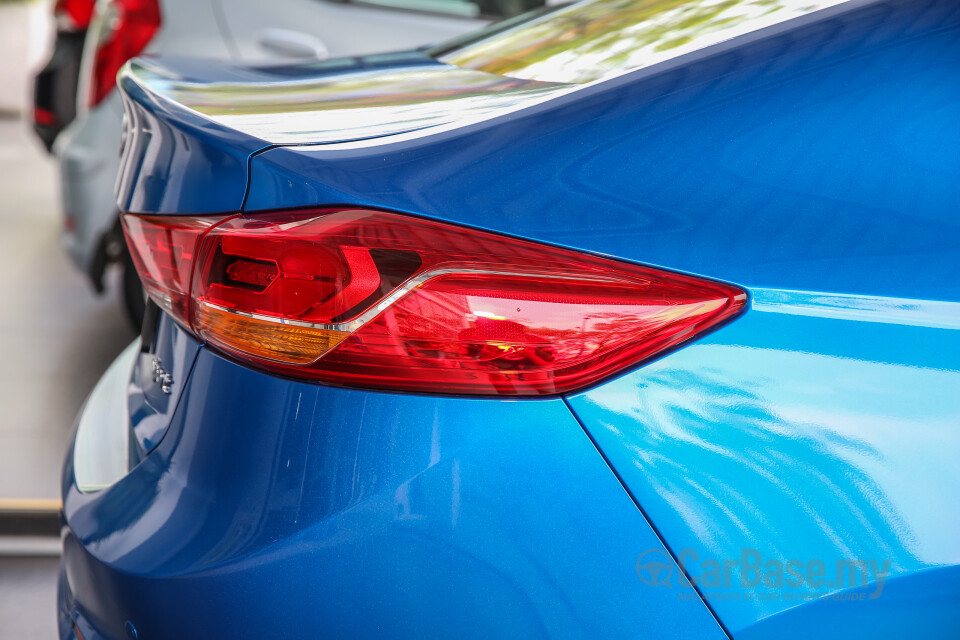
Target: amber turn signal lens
(270, 339)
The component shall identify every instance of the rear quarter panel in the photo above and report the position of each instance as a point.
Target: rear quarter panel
(816, 429)
(819, 169)
(281, 509)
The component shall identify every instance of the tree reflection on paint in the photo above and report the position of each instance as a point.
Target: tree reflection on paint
(721, 459)
(595, 39)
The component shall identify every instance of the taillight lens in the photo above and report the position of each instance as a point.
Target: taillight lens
(379, 300)
(163, 249)
(73, 15)
(44, 117)
(127, 26)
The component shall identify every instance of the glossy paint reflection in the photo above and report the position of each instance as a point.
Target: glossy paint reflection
(803, 435)
(281, 509)
(364, 98)
(343, 103)
(172, 160)
(591, 40)
(823, 159)
(818, 426)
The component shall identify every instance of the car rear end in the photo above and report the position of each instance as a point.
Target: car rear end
(666, 353)
(55, 87)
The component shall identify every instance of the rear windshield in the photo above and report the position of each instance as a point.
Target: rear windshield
(595, 39)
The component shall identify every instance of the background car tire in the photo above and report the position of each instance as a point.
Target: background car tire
(134, 297)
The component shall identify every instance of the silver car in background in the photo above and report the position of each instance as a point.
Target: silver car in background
(245, 30)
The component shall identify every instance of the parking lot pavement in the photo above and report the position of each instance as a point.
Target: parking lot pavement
(56, 337)
(28, 598)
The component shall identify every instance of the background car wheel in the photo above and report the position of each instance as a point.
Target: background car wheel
(134, 297)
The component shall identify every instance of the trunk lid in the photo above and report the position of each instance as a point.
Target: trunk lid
(191, 125)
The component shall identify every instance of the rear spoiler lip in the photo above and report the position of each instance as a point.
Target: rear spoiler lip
(191, 127)
(175, 161)
(356, 100)
(216, 178)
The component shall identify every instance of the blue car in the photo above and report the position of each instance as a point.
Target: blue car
(626, 318)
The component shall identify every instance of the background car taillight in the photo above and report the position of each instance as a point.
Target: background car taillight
(379, 300)
(125, 29)
(73, 15)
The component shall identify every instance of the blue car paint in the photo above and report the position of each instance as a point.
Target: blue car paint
(815, 428)
(818, 168)
(824, 159)
(183, 163)
(156, 383)
(830, 166)
(178, 161)
(281, 509)
(921, 605)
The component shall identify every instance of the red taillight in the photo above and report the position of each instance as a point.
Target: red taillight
(379, 300)
(163, 250)
(44, 117)
(73, 15)
(128, 26)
